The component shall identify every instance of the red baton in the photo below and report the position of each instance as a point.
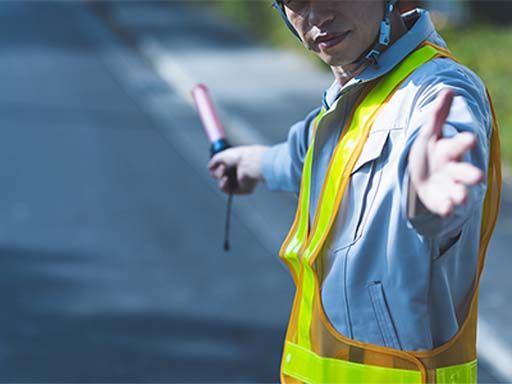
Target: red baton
(217, 137)
(210, 119)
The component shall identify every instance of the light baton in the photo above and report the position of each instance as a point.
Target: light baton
(210, 119)
(217, 137)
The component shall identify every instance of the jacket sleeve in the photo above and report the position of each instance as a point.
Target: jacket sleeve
(470, 112)
(282, 164)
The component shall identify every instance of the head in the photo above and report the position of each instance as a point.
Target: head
(338, 31)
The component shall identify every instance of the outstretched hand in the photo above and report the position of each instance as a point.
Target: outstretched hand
(438, 175)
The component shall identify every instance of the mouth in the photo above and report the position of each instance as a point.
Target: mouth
(330, 40)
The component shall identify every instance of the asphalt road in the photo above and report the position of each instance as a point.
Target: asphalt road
(111, 267)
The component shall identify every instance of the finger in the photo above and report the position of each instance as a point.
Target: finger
(229, 157)
(219, 171)
(458, 194)
(445, 100)
(447, 198)
(436, 197)
(441, 111)
(464, 173)
(452, 195)
(215, 161)
(243, 185)
(224, 184)
(444, 205)
(445, 208)
(454, 148)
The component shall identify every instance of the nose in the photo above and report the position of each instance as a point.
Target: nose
(320, 14)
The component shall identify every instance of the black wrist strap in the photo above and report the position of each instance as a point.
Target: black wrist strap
(232, 183)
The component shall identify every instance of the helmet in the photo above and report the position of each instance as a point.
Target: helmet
(374, 53)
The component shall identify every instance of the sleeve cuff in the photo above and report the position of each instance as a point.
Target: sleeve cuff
(269, 164)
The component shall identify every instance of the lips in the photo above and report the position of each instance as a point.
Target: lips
(330, 40)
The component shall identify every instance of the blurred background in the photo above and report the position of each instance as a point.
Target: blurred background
(111, 260)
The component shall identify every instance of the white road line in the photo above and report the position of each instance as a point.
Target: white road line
(239, 130)
(494, 351)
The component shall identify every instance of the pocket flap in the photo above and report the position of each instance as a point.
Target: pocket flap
(372, 148)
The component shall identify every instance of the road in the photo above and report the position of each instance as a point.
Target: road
(111, 265)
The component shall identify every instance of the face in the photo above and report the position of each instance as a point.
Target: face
(338, 31)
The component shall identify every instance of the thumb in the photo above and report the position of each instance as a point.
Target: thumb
(215, 161)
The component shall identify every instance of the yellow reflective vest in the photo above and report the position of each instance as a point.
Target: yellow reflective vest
(314, 351)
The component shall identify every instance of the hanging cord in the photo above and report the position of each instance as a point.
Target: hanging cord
(216, 147)
(227, 222)
(232, 184)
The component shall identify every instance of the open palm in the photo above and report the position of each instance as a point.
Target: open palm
(438, 175)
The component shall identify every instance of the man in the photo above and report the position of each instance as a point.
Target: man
(391, 229)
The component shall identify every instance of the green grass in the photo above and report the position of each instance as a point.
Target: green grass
(482, 48)
(486, 50)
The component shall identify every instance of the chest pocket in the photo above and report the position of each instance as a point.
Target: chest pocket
(360, 194)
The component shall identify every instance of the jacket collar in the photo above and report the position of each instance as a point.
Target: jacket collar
(420, 27)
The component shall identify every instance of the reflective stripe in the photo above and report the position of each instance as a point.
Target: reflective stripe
(305, 365)
(296, 239)
(306, 306)
(457, 374)
(302, 364)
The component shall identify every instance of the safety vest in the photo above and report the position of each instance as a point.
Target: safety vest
(314, 351)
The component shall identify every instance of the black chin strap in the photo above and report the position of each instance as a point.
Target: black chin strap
(372, 57)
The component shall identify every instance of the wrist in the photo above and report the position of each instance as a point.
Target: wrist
(259, 153)
(415, 206)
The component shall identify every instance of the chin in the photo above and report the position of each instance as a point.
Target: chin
(336, 61)
(341, 57)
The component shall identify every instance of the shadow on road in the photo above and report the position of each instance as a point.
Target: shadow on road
(45, 338)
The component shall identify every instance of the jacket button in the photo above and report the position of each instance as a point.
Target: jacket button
(288, 358)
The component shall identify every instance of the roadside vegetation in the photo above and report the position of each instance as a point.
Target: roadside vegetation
(484, 48)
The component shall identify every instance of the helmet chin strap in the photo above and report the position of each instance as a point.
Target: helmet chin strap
(373, 54)
(279, 7)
